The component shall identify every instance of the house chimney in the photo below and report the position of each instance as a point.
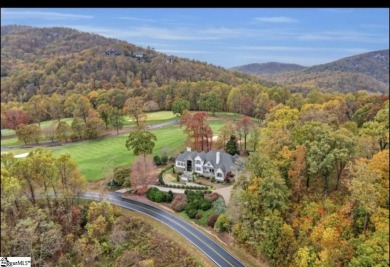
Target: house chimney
(188, 149)
(217, 162)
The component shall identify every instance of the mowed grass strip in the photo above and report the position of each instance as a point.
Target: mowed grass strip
(153, 118)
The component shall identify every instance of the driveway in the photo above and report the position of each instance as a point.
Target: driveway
(225, 192)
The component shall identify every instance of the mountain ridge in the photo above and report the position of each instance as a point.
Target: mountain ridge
(268, 68)
(367, 71)
(58, 59)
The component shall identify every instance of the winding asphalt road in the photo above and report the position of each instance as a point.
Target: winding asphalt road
(215, 252)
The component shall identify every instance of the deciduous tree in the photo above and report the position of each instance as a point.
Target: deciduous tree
(362, 187)
(143, 173)
(78, 105)
(104, 112)
(63, 131)
(116, 119)
(179, 106)
(15, 117)
(78, 127)
(134, 107)
(141, 142)
(243, 127)
(94, 128)
(199, 132)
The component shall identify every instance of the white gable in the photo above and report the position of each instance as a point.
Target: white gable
(208, 164)
(198, 158)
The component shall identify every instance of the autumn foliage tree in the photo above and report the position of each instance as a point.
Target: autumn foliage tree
(14, 117)
(225, 132)
(243, 127)
(143, 173)
(134, 108)
(199, 132)
(27, 133)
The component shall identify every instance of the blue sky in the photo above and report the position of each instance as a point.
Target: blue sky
(227, 37)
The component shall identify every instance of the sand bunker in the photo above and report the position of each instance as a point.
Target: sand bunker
(21, 156)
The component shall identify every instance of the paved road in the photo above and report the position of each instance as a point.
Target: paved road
(215, 252)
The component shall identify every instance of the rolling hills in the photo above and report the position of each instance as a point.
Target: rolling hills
(262, 69)
(61, 59)
(368, 71)
(57, 59)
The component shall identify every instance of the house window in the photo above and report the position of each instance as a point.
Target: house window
(219, 174)
(198, 162)
(198, 169)
(212, 170)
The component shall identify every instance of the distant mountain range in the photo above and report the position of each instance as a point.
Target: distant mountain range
(48, 60)
(368, 71)
(268, 68)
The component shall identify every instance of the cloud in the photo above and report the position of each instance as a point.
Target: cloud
(178, 51)
(42, 15)
(344, 36)
(167, 34)
(137, 19)
(172, 33)
(308, 49)
(280, 19)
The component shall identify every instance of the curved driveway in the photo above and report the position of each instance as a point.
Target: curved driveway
(215, 252)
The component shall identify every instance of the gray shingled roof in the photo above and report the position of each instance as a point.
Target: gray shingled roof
(226, 161)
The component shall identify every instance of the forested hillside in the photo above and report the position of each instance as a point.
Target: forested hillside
(317, 193)
(48, 60)
(368, 71)
(42, 218)
(268, 68)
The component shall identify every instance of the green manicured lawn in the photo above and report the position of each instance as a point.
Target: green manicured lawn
(216, 125)
(226, 115)
(153, 118)
(97, 158)
(11, 142)
(7, 132)
(160, 115)
(45, 124)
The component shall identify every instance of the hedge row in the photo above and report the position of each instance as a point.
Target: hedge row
(154, 194)
(190, 187)
(160, 175)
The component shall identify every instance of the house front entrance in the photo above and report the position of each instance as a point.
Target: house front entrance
(189, 165)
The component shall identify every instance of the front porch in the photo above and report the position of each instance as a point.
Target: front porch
(186, 176)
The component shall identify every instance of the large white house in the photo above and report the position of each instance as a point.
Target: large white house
(216, 164)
